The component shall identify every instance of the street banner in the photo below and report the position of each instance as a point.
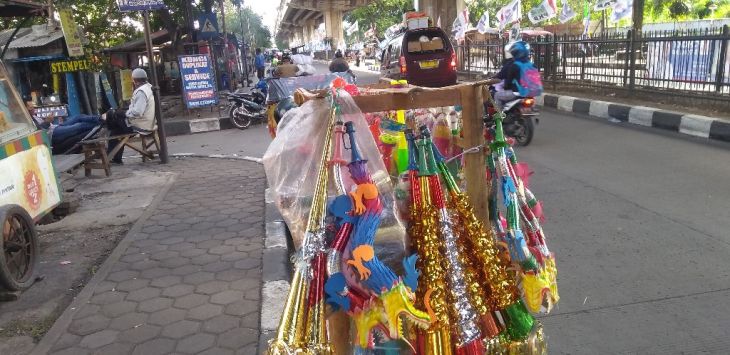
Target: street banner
(71, 33)
(70, 66)
(545, 11)
(208, 26)
(509, 14)
(566, 12)
(460, 25)
(603, 4)
(127, 87)
(198, 82)
(28, 179)
(139, 5)
(483, 24)
(622, 9)
(353, 28)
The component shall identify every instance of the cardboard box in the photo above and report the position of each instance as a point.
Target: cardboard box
(433, 45)
(414, 46)
(415, 23)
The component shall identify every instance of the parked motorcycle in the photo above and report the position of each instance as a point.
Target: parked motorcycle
(245, 109)
(518, 122)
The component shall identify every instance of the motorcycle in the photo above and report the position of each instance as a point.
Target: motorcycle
(245, 109)
(518, 121)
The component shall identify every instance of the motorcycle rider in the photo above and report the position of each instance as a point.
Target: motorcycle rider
(339, 64)
(510, 72)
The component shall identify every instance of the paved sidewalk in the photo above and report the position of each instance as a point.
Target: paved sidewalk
(188, 279)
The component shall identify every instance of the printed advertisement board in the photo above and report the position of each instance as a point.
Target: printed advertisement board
(28, 180)
(198, 80)
(137, 5)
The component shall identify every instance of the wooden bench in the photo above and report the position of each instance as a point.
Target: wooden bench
(96, 156)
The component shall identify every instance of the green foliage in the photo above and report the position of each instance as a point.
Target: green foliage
(254, 31)
(380, 13)
(104, 25)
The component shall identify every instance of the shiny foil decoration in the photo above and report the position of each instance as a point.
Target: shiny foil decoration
(295, 333)
(479, 241)
(463, 313)
(430, 262)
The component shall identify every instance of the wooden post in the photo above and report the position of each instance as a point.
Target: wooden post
(472, 111)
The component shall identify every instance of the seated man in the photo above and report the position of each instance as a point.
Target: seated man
(286, 68)
(69, 131)
(139, 118)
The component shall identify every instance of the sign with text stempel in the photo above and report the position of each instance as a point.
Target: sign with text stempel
(198, 81)
(139, 5)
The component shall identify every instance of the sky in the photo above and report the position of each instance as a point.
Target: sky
(266, 10)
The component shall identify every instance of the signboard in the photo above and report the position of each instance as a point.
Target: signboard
(198, 81)
(108, 90)
(28, 180)
(42, 112)
(68, 66)
(208, 26)
(127, 87)
(688, 61)
(137, 5)
(71, 33)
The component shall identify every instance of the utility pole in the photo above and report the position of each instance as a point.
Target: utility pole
(155, 88)
(637, 17)
(244, 54)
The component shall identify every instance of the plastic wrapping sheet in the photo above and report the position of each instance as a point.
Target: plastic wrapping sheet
(291, 164)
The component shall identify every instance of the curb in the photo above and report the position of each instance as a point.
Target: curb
(198, 125)
(276, 272)
(692, 125)
(63, 321)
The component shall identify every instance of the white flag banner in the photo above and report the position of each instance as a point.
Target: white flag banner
(622, 9)
(483, 24)
(566, 12)
(545, 11)
(603, 4)
(438, 22)
(461, 24)
(509, 14)
(353, 28)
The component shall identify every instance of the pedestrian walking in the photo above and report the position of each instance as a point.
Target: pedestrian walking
(260, 63)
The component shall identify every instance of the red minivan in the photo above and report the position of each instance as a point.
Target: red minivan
(423, 57)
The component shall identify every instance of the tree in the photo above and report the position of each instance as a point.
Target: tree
(380, 13)
(253, 31)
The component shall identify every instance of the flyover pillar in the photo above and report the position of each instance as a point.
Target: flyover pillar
(333, 25)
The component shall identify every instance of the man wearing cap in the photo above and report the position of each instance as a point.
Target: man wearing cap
(140, 116)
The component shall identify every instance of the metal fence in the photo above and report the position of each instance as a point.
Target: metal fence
(689, 63)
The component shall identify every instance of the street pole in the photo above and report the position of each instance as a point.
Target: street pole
(155, 89)
(243, 47)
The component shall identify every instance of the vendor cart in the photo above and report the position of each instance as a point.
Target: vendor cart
(29, 188)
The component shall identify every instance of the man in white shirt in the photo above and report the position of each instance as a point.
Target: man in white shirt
(140, 116)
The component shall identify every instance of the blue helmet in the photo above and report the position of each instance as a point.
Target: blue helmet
(520, 50)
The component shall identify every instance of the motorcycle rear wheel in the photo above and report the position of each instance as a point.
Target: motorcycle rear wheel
(528, 132)
(237, 118)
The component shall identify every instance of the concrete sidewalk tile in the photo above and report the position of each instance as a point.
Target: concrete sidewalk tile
(565, 103)
(696, 125)
(274, 294)
(667, 120)
(150, 306)
(204, 125)
(641, 115)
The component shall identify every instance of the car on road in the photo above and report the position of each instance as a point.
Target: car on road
(423, 57)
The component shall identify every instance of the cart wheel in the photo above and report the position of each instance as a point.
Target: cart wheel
(18, 248)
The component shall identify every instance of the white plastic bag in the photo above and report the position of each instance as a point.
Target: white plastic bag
(292, 161)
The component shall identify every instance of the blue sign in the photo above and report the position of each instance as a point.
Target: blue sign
(198, 81)
(137, 5)
(208, 26)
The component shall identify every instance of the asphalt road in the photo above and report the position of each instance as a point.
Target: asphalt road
(638, 220)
